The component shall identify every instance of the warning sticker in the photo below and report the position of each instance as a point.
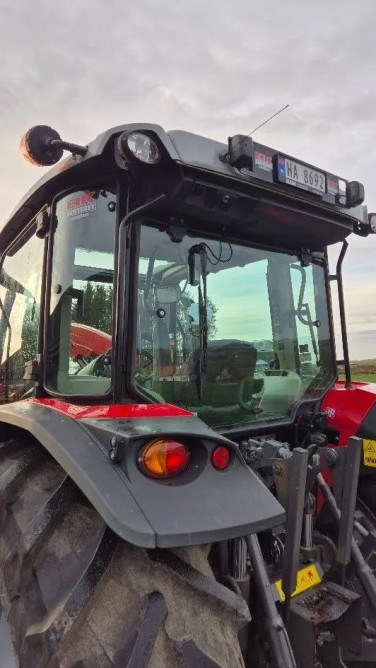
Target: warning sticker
(307, 577)
(369, 452)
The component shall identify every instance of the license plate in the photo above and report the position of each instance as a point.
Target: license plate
(301, 176)
(306, 578)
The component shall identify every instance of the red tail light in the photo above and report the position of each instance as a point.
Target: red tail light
(163, 458)
(220, 457)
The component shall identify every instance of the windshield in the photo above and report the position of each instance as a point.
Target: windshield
(233, 333)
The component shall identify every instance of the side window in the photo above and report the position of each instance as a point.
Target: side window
(78, 359)
(20, 293)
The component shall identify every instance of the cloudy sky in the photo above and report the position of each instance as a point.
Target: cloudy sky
(209, 66)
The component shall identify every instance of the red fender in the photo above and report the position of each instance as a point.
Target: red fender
(347, 407)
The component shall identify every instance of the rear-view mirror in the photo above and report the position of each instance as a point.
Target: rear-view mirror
(167, 294)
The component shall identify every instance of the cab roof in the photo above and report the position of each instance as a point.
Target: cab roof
(201, 156)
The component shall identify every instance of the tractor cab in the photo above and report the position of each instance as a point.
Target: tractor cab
(182, 272)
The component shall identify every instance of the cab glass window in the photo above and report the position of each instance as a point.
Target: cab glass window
(20, 294)
(78, 359)
(235, 334)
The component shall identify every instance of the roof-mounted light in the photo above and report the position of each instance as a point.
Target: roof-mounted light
(354, 193)
(43, 146)
(139, 146)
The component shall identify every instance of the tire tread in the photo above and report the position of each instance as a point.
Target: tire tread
(74, 594)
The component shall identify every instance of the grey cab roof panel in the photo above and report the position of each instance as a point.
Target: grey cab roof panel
(188, 149)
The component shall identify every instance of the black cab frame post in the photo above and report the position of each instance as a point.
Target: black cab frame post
(125, 353)
(341, 303)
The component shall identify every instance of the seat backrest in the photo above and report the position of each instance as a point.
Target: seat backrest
(231, 360)
(230, 365)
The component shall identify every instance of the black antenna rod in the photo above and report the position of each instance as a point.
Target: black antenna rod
(268, 119)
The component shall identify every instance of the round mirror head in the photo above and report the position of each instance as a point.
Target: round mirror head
(36, 146)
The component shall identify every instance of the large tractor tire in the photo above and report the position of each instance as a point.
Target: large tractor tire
(74, 594)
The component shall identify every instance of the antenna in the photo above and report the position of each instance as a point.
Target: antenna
(245, 137)
(268, 119)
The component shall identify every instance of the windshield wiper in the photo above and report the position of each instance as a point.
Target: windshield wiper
(200, 252)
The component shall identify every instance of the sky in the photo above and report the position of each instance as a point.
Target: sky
(212, 67)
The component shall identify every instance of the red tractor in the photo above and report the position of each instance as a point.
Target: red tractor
(173, 487)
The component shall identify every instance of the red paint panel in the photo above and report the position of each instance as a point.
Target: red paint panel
(347, 407)
(113, 411)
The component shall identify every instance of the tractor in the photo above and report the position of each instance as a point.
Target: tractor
(183, 480)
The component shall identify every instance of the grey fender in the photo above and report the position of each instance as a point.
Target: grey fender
(202, 505)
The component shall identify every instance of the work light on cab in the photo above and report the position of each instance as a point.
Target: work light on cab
(139, 146)
(163, 458)
(354, 193)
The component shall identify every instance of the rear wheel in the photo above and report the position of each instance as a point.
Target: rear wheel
(74, 594)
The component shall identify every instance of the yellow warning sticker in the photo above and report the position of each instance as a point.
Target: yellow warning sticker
(369, 452)
(307, 577)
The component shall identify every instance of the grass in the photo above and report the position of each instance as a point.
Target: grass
(364, 370)
(366, 377)
(369, 362)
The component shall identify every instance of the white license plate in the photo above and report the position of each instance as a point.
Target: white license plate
(304, 177)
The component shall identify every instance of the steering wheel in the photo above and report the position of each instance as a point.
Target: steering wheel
(102, 366)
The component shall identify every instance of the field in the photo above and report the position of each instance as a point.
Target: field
(366, 377)
(362, 370)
